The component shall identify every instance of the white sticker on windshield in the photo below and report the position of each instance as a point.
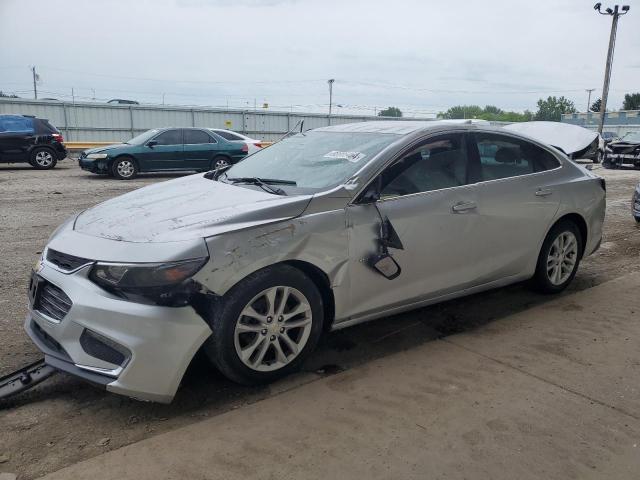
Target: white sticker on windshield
(349, 156)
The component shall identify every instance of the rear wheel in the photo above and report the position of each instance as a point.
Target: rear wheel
(559, 258)
(43, 159)
(265, 326)
(124, 168)
(220, 162)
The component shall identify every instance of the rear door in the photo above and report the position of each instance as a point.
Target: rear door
(517, 201)
(199, 149)
(17, 135)
(166, 154)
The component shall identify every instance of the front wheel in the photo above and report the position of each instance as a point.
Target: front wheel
(559, 258)
(124, 168)
(42, 159)
(265, 326)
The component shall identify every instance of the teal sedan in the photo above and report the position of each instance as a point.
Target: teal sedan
(164, 150)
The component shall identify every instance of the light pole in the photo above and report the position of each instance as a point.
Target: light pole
(330, 82)
(588, 90)
(616, 13)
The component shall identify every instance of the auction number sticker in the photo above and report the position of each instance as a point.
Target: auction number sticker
(349, 156)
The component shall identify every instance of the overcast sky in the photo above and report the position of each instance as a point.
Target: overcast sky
(421, 55)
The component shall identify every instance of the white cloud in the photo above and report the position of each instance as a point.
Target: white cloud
(424, 55)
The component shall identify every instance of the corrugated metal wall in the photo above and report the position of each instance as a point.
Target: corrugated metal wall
(85, 122)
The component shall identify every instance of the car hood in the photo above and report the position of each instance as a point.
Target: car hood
(184, 209)
(569, 138)
(105, 148)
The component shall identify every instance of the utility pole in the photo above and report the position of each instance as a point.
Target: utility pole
(616, 13)
(35, 79)
(589, 90)
(330, 82)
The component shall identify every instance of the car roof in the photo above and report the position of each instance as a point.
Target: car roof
(399, 127)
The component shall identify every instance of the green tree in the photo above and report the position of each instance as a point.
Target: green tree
(596, 106)
(6, 95)
(390, 112)
(552, 108)
(490, 112)
(631, 101)
(462, 111)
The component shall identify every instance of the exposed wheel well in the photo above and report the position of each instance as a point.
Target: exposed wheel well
(42, 147)
(580, 223)
(322, 282)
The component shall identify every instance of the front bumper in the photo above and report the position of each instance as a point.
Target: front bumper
(159, 341)
(94, 166)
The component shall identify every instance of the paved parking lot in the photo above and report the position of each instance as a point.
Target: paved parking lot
(65, 421)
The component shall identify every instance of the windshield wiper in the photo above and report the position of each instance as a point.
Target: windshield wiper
(263, 183)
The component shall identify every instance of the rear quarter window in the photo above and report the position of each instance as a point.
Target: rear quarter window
(44, 127)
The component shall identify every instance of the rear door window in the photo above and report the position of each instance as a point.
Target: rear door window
(16, 124)
(502, 156)
(170, 137)
(193, 137)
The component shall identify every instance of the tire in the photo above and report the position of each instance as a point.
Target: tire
(220, 161)
(268, 356)
(124, 168)
(43, 158)
(555, 277)
(599, 157)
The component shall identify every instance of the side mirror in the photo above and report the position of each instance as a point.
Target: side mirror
(385, 265)
(152, 143)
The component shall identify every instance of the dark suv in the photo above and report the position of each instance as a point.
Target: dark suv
(24, 138)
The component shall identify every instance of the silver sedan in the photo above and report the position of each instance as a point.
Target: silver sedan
(328, 228)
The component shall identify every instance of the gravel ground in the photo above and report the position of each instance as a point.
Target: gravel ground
(65, 420)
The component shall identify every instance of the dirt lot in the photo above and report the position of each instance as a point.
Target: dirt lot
(64, 420)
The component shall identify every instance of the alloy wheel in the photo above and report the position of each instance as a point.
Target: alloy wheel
(125, 168)
(273, 328)
(562, 258)
(44, 158)
(221, 163)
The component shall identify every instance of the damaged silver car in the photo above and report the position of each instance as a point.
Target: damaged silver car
(326, 229)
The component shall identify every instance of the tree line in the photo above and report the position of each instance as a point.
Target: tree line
(549, 109)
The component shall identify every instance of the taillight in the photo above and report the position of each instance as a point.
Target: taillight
(245, 148)
(57, 137)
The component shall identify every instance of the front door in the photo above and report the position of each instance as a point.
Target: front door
(163, 152)
(428, 200)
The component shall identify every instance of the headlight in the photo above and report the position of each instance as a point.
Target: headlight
(143, 278)
(97, 156)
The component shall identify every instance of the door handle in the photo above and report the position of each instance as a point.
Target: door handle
(464, 207)
(543, 192)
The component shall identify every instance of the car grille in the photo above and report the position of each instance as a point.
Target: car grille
(52, 301)
(65, 261)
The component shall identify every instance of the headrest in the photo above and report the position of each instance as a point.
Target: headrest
(507, 155)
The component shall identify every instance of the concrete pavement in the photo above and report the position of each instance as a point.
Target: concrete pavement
(551, 392)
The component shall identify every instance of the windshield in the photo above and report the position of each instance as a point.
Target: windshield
(314, 159)
(143, 137)
(631, 137)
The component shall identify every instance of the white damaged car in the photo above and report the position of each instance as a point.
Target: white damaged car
(323, 230)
